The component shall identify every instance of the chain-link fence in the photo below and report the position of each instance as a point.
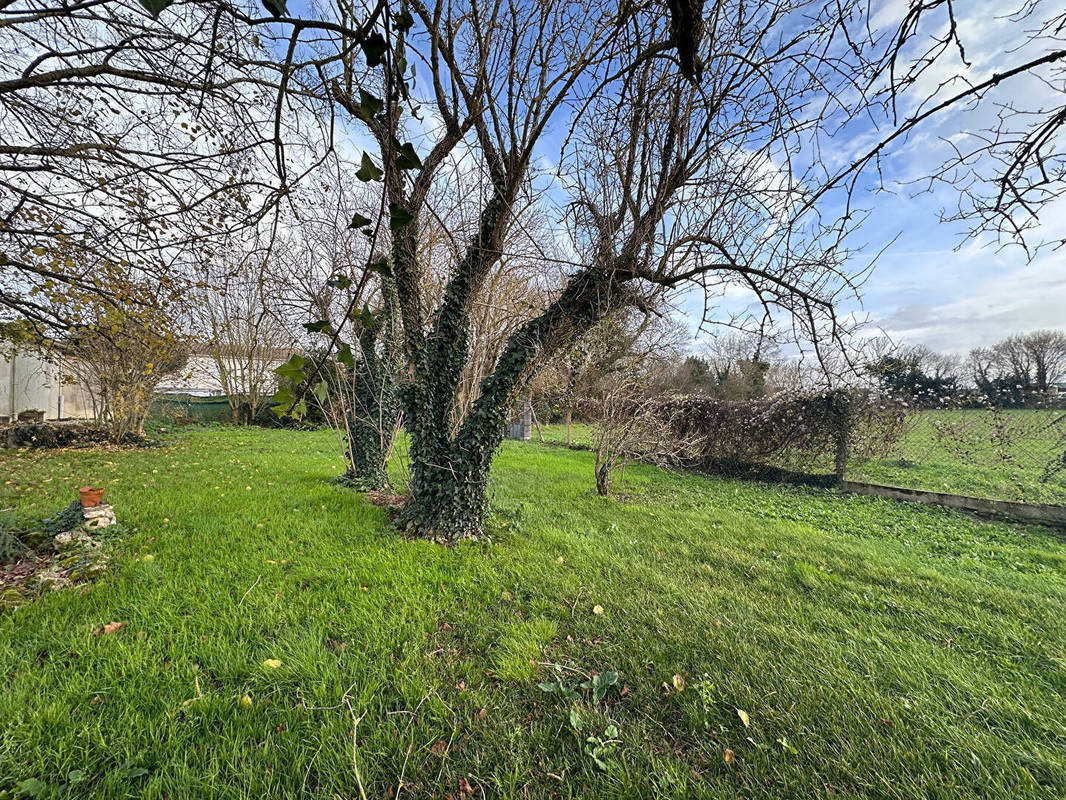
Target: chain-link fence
(967, 447)
(1014, 454)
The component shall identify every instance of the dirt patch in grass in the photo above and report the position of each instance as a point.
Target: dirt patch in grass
(386, 500)
(17, 575)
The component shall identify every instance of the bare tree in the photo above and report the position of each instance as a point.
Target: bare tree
(1046, 350)
(241, 330)
(1020, 366)
(127, 144)
(629, 426)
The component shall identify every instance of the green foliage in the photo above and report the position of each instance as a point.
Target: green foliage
(374, 49)
(368, 170)
(369, 107)
(928, 660)
(11, 548)
(292, 370)
(358, 221)
(398, 216)
(407, 158)
(156, 7)
(597, 684)
(345, 356)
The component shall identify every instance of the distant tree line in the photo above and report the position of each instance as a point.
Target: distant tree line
(1021, 371)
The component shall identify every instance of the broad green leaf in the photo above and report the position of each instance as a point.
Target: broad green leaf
(344, 355)
(407, 158)
(318, 326)
(359, 221)
(381, 267)
(374, 49)
(293, 369)
(369, 105)
(403, 21)
(601, 683)
(368, 170)
(31, 787)
(156, 7)
(284, 396)
(322, 392)
(398, 216)
(339, 282)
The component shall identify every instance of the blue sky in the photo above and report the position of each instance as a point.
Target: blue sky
(933, 285)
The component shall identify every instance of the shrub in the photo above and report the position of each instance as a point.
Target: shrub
(803, 433)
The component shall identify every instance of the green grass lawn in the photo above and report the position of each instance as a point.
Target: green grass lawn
(876, 649)
(960, 452)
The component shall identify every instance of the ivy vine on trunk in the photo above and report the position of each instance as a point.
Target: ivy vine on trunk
(372, 416)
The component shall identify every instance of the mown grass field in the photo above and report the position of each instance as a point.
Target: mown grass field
(875, 649)
(972, 452)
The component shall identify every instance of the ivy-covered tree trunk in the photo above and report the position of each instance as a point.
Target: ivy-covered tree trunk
(374, 412)
(449, 474)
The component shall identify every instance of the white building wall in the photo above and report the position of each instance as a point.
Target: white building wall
(29, 383)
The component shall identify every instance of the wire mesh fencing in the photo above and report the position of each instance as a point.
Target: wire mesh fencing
(963, 446)
(1016, 454)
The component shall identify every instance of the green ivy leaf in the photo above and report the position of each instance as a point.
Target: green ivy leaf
(156, 7)
(366, 317)
(293, 369)
(322, 392)
(344, 355)
(403, 21)
(398, 216)
(368, 170)
(369, 105)
(358, 221)
(283, 396)
(275, 7)
(374, 49)
(339, 282)
(318, 326)
(381, 267)
(407, 158)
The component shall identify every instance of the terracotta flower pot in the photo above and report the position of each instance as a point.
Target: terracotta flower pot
(90, 496)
